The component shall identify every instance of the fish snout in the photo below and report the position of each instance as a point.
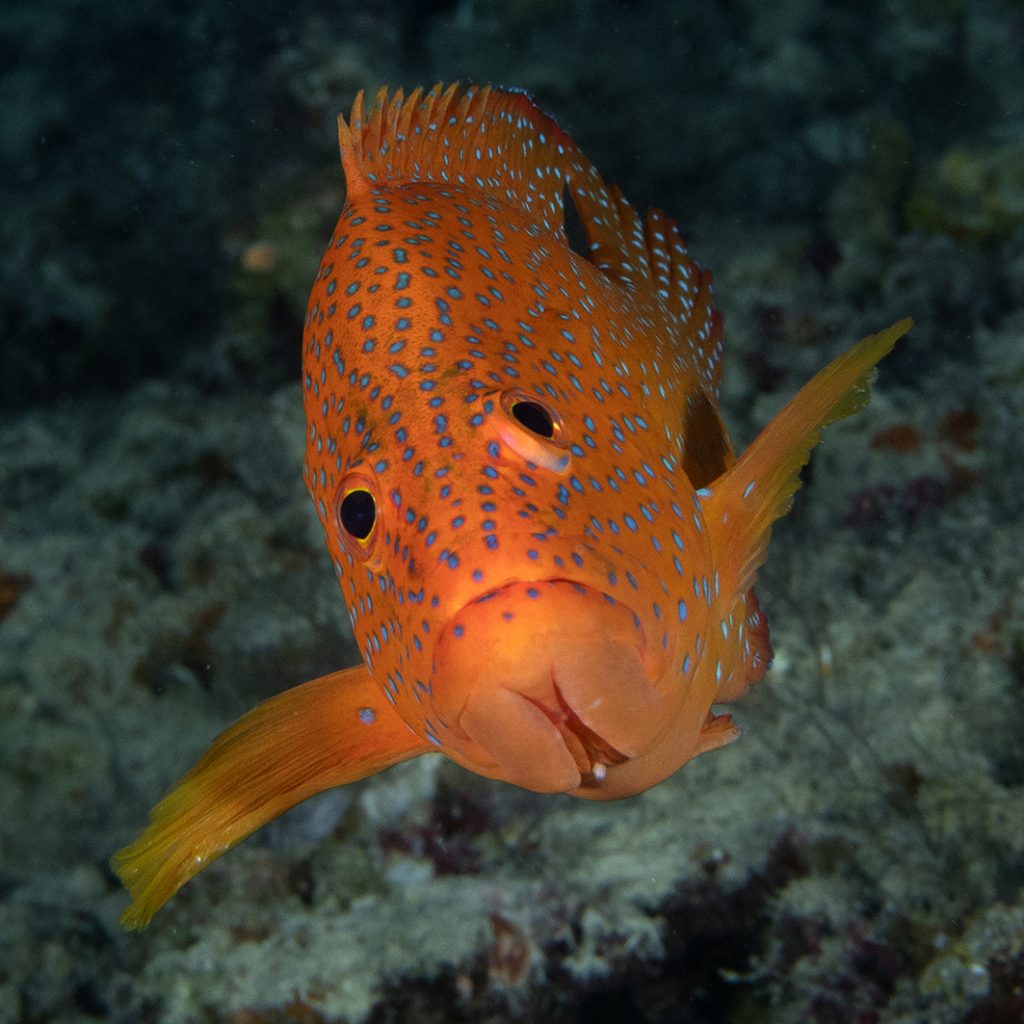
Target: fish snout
(547, 684)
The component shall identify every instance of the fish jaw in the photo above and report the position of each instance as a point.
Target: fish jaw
(547, 684)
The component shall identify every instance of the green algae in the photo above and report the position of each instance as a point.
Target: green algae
(975, 196)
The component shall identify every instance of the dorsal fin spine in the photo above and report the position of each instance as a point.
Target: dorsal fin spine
(500, 142)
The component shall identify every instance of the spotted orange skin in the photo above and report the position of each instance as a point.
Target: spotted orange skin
(436, 307)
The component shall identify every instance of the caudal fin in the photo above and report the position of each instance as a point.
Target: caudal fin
(745, 501)
(325, 733)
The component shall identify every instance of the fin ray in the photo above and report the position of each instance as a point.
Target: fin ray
(499, 141)
(716, 732)
(325, 733)
(741, 506)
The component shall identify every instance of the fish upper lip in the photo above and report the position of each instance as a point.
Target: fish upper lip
(516, 581)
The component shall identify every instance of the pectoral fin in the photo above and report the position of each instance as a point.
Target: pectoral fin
(716, 732)
(325, 733)
(742, 504)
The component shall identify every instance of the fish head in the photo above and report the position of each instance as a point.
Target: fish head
(506, 525)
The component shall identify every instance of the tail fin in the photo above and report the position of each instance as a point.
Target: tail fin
(745, 501)
(325, 733)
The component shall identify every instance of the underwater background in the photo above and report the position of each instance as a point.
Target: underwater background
(169, 179)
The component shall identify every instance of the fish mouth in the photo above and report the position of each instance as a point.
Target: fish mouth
(593, 754)
(547, 684)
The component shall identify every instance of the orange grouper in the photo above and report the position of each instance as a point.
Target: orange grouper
(544, 539)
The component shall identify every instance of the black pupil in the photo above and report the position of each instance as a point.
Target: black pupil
(358, 511)
(534, 417)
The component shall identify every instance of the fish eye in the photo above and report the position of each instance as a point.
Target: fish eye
(358, 513)
(534, 417)
(533, 430)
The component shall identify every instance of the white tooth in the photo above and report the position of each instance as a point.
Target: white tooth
(600, 771)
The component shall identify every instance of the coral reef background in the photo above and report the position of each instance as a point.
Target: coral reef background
(170, 177)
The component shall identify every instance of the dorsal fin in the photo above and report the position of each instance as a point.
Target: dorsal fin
(500, 141)
(475, 137)
(685, 289)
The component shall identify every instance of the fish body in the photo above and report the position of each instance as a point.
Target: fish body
(544, 539)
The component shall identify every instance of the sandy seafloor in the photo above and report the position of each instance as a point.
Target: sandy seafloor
(857, 857)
